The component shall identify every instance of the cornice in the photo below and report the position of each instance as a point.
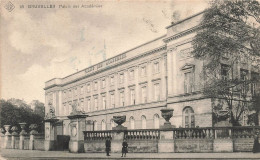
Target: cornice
(161, 48)
(183, 33)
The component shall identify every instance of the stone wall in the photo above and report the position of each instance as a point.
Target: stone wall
(193, 145)
(243, 144)
(142, 146)
(93, 146)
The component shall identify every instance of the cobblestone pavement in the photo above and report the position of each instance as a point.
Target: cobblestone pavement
(13, 154)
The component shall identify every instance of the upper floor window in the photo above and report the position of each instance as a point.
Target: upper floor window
(103, 102)
(132, 123)
(88, 105)
(254, 78)
(122, 98)
(96, 103)
(156, 67)
(144, 94)
(131, 74)
(112, 80)
(75, 91)
(188, 82)
(103, 84)
(88, 88)
(95, 85)
(157, 91)
(70, 93)
(121, 78)
(143, 71)
(189, 118)
(64, 95)
(112, 100)
(225, 70)
(132, 96)
(82, 90)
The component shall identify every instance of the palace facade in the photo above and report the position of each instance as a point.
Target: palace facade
(138, 83)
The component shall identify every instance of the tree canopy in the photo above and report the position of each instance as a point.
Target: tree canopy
(230, 34)
(15, 111)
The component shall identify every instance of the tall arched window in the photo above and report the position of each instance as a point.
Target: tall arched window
(112, 124)
(188, 117)
(156, 121)
(95, 126)
(143, 118)
(132, 123)
(103, 125)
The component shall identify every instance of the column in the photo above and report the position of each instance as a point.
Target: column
(7, 140)
(77, 125)
(50, 134)
(22, 135)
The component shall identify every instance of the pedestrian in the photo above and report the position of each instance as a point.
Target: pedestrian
(256, 146)
(124, 148)
(108, 146)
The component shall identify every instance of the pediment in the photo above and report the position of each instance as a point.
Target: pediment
(187, 66)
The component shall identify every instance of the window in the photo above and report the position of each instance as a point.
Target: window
(122, 98)
(65, 109)
(189, 118)
(112, 100)
(244, 77)
(89, 105)
(143, 71)
(156, 67)
(103, 125)
(88, 88)
(82, 90)
(95, 127)
(75, 92)
(156, 92)
(82, 104)
(225, 69)
(143, 119)
(254, 77)
(103, 102)
(121, 78)
(112, 80)
(112, 123)
(156, 121)
(96, 103)
(70, 93)
(131, 74)
(132, 123)
(144, 94)
(95, 85)
(188, 82)
(64, 95)
(103, 83)
(132, 96)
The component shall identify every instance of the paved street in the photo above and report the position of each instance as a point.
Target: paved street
(57, 155)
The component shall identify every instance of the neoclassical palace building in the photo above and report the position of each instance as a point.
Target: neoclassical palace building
(138, 83)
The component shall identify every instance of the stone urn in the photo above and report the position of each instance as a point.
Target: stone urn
(33, 128)
(23, 125)
(167, 114)
(14, 130)
(119, 120)
(7, 128)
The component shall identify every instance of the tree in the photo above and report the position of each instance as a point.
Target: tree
(13, 113)
(228, 39)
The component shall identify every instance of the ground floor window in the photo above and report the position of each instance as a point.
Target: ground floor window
(188, 117)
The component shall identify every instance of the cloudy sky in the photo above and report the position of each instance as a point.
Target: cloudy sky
(40, 44)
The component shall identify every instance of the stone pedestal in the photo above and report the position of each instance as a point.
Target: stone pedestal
(116, 142)
(77, 126)
(22, 135)
(166, 142)
(33, 133)
(50, 135)
(7, 138)
(14, 137)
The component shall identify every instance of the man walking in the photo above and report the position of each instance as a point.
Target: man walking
(124, 148)
(108, 145)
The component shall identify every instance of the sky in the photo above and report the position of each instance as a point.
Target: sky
(38, 44)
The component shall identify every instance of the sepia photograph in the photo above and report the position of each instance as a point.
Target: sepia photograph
(122, 79)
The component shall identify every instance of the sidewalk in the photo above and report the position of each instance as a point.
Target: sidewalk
(58, 155)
